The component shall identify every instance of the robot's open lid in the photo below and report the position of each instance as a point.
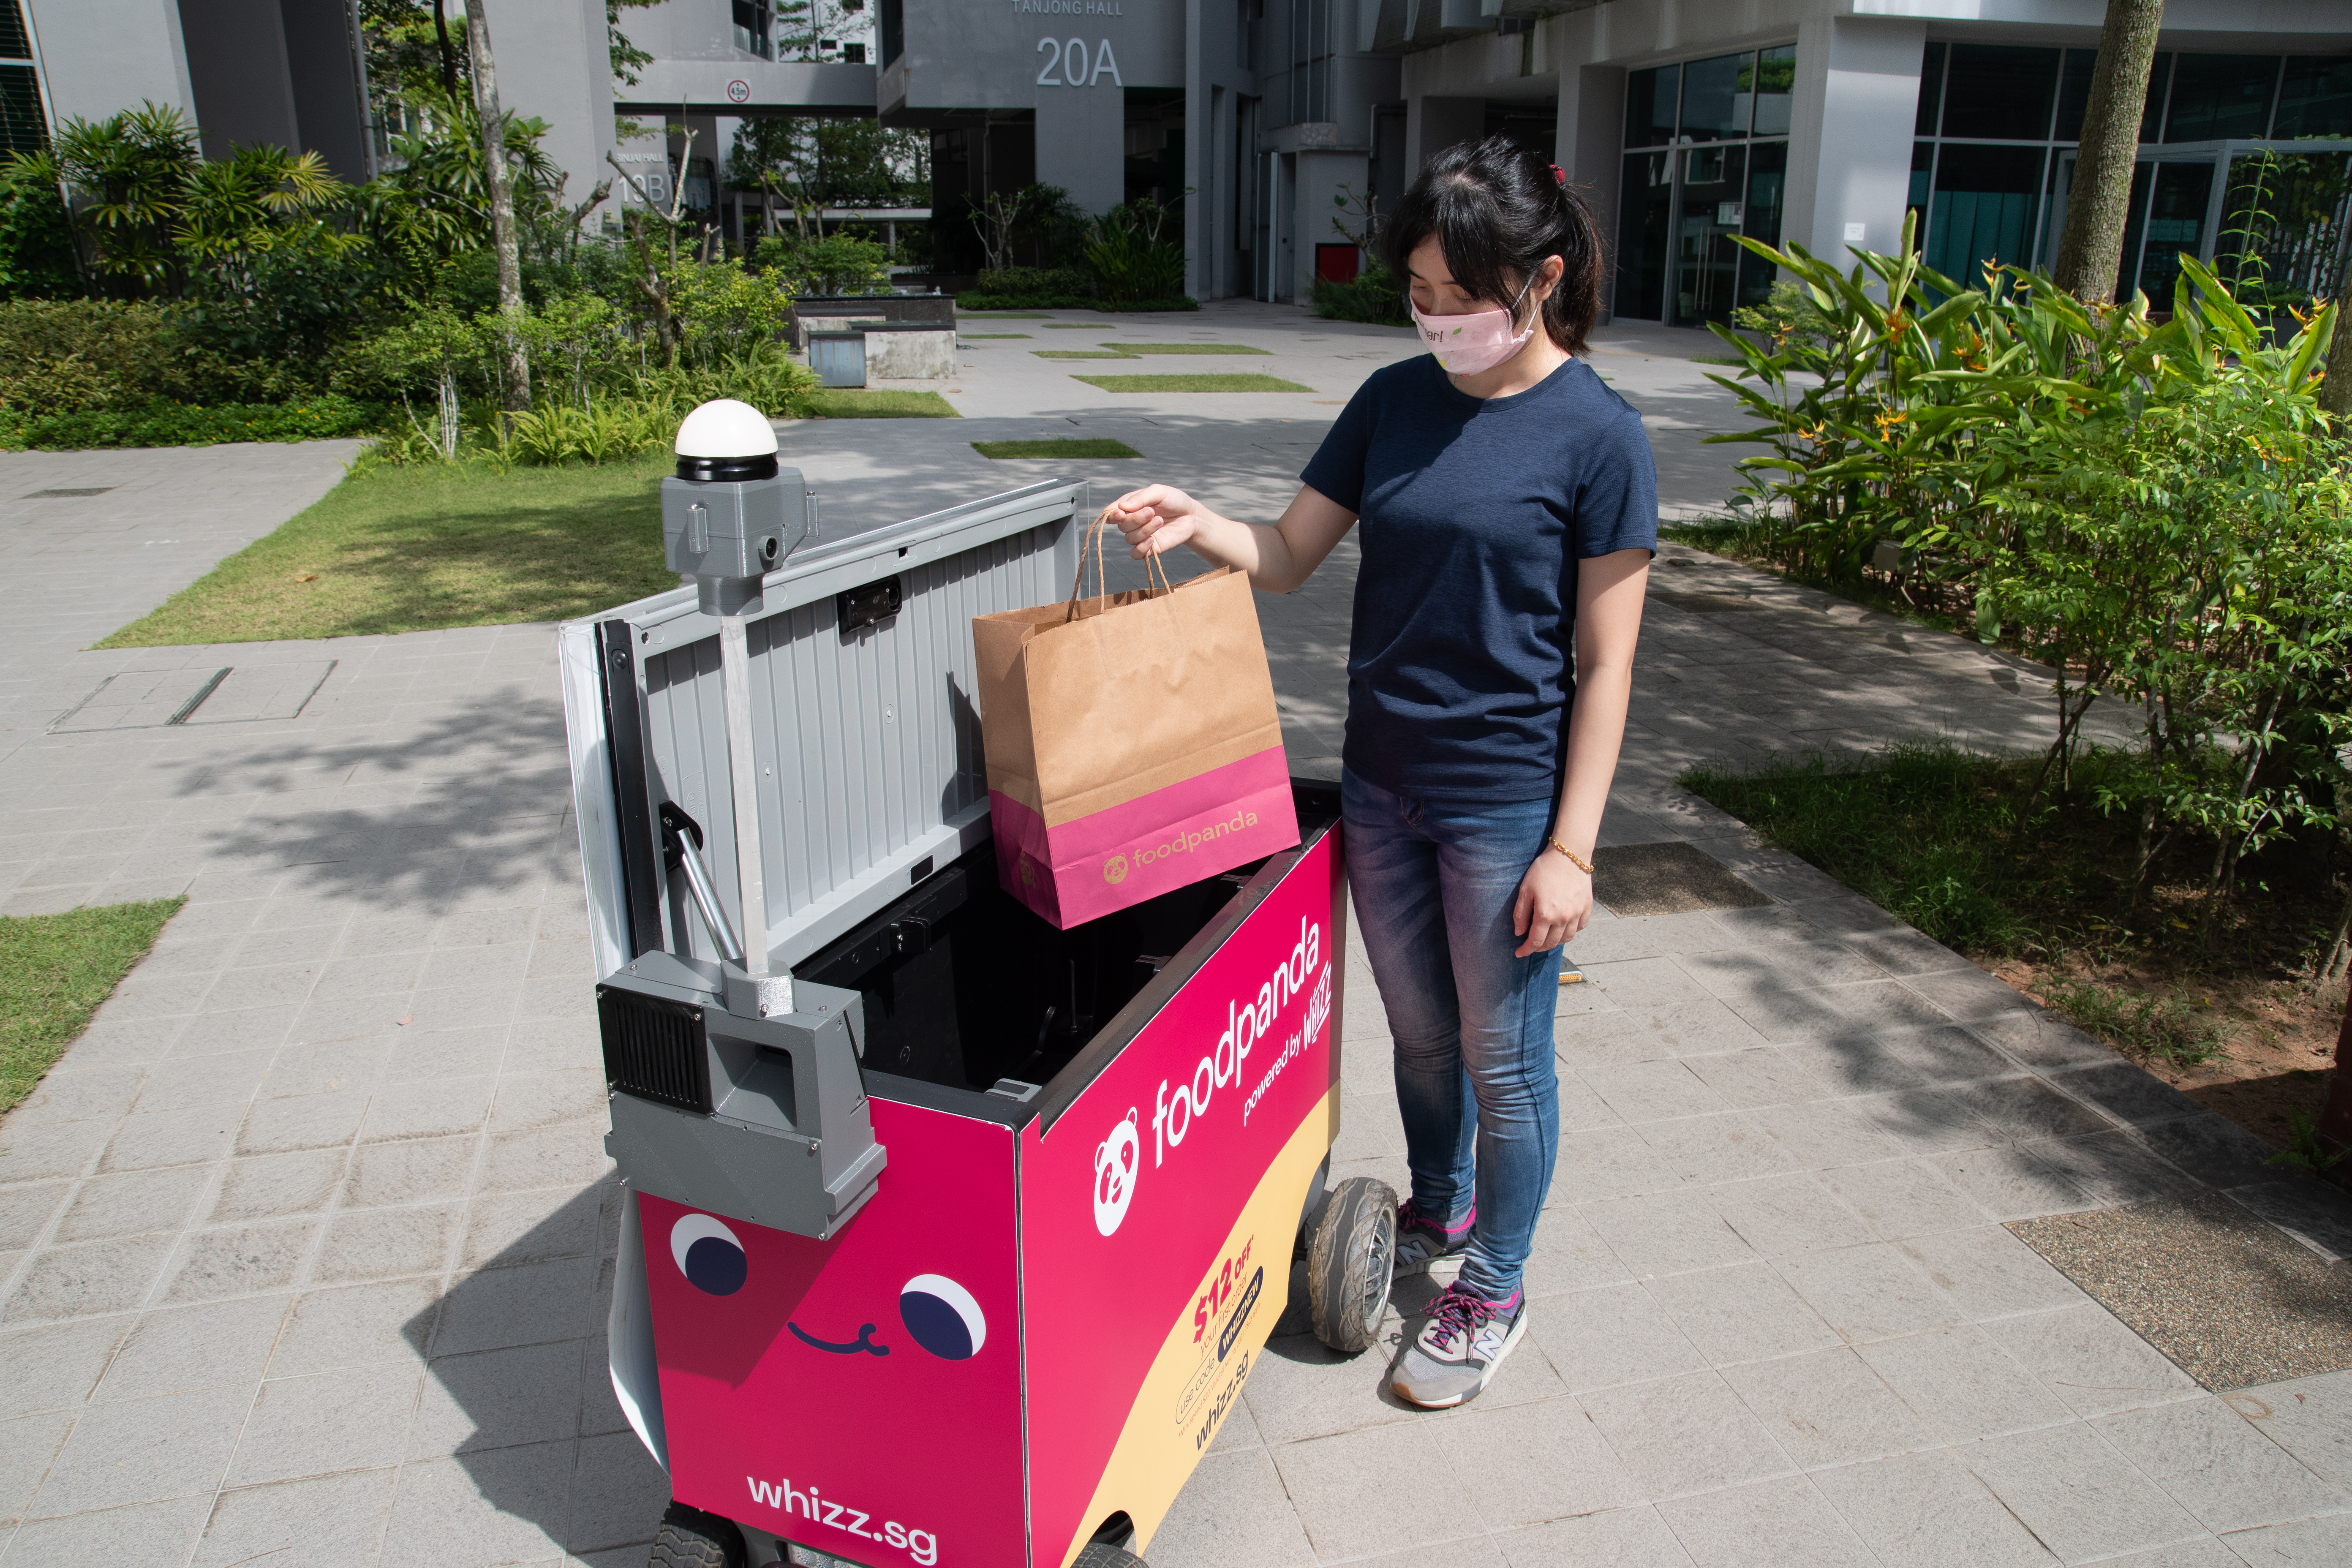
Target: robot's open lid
(866, 729)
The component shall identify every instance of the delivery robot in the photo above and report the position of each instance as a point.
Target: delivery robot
(949, 1238)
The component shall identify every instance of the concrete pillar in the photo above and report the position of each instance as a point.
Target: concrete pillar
(1433, 125)
(98, 60)
(1317, 181)
(244, 83)
(1850, 132)
(1082, 143)
(328, 103)
(554, 65)
(1590, 138)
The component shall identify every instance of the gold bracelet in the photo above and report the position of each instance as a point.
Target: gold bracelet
(1579, 861)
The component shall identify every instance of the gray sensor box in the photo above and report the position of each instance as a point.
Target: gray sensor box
(732, 528)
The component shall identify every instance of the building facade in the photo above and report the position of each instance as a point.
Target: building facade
(1280, 123)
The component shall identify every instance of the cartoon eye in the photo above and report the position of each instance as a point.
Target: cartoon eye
(708, 1254)
(942, 1316)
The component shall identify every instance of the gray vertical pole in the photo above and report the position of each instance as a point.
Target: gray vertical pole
(751, 886)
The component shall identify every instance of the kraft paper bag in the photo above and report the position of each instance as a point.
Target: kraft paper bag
(1132, 744)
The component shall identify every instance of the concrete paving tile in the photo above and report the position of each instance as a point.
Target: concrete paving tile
(240, 1261)
(2219, 1465)
(96, 1277)
(1533, 1462)
(2024, 1109)
(416, 1058)
(2091, 1361)
(1608, 1163)
(527, 1305)
(1784, 1523)
(2041, 1041)
(1300, 1389)
(302, 1121)
(269, 1186)
(495, 1399)
(141, 1535)
(357, 1326)
(2080, 1498)
(2212, 1149)
(1962, 1383)
(618, 1494)
(1698, 1028)
(570, 1154)
(132, 1204)
(1343, 1487)
(1665, 1233)
(1778, 1216)
(1899, 951)
(65, 1095)
(437, 1520)
(2008, 1183)
(1232, 1511)
(2113, 1169)
(1824, 1133)
(325, 1519)
(2126, 1092)
(559, 1045)
(27, 1445)
(1625, 1538)
(1927, 1510)
(126, 1042)
(2314, 1214)
(305, 1070)
(1852, 1063)
(504, 1229)
(26, 1210)
(317, 1425)
(1759, 1076)
(2310, 1417)
(1731, 1146)
(32, 1153)
(389, 1243)
(1652, 1090)
(176, 1350)
(2205, 1552)
(1869, 1292)
(412, 1172)
(1597, 1339)
(228, 1077)
(1569, 1255)
(1949, 1054)
(428, 1109)
(1988, 1273)
(1827, 1409)
(2306, 1544)
(271, 985)
(214, 1033)
(201, 1134)
(1685, 1434)
(1645, 983)
(1742, 1313)
(54, 1366)
(143, 1451)
(1925, 1121)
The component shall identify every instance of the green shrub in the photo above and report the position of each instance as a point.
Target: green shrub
(64, 356)
(36, 256)
(836, 264)
(1036, 282)
(1375, 297)
(166, 424)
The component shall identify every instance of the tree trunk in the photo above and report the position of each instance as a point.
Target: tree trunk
(2335, 1116)
(2091, 251)
(448, 53)
(502, 208)
(2335, 386)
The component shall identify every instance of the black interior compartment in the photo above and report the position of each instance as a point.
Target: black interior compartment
(964, 987)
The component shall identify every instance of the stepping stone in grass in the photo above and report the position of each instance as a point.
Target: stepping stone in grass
(990, 337)
(1191, 384)
(1080, 353)
(1098, 447)
(1188, 348)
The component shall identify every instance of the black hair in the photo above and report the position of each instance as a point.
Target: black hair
(1499, 212)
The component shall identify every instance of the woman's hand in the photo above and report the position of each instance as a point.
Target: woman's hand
(1156, 519)
(1555, 902)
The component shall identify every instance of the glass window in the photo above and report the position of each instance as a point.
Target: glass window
(1713, 207)
(751, 28)
(2220, 97)
(21, 126)
(14, 44)
(1983, 209)
(1775, 89)
(2175, 223)
(2075, 94)
(2315, 97)
(1931, 89)
(1714, 107)
(1923, 164)
(1998, 91)
(1768, 184)
(1650, 99)
(1645, 218)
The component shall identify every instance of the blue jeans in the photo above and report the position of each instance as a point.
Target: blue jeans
(1433, 886)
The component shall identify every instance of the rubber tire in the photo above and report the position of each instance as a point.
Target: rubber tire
(1100, 1554)
(690, 1538)
(1351, 1263)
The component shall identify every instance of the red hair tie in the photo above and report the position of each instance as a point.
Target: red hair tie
(1558, 176)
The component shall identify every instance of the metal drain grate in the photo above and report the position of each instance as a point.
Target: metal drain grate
(155, 699)
(1674, 878)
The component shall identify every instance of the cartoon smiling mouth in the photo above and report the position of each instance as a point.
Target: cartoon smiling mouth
(862, 1342)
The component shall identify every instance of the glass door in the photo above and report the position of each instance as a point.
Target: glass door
(1711, 206)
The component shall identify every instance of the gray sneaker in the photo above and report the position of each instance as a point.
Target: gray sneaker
(1421, 1241)
(1456, 1352)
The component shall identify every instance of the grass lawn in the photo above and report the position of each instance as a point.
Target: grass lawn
(1189, 349)
(2222, 1007)
(54, 972)
(1074, 326)
(1191, 384)
(874, 402)
(995, 337)
(409, 549)
(1002, 316)
(1100, 446)
(1112, 352)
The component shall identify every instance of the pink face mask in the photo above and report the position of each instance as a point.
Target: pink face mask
(1476, 340)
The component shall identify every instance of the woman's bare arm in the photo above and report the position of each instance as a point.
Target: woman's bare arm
(1555, 898)
(1158, 518)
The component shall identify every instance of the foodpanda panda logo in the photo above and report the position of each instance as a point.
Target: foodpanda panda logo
(1118, 1158)
(1115, 870)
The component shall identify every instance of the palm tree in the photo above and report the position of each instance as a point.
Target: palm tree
(2091, 251)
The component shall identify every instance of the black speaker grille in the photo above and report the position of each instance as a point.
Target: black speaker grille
(655, 1049)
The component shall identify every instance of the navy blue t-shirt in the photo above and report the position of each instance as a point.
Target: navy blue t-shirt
(1475, 514)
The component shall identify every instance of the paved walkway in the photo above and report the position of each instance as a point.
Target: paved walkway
(304, 1246)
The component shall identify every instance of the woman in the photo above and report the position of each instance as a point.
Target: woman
(1509, 511)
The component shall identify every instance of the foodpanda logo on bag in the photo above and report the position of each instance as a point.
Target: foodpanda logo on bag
(1119, 1159)
(1115, 870)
